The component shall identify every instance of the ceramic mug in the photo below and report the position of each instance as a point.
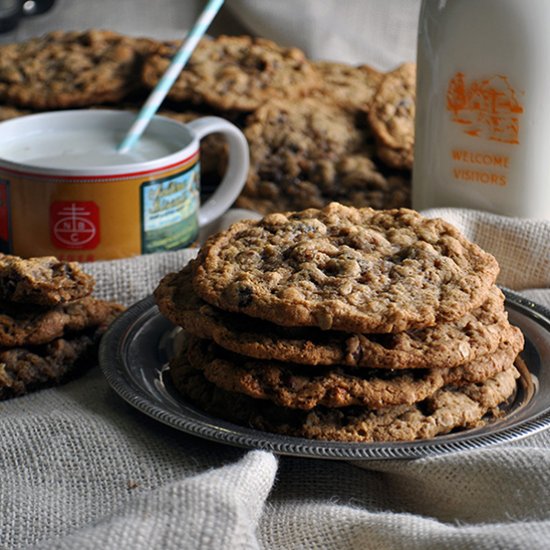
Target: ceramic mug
(65, 190)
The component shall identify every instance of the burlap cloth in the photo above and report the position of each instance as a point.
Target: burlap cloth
(82, 469)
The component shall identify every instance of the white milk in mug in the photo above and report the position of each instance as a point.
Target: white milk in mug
(78, 148)
(482, 135)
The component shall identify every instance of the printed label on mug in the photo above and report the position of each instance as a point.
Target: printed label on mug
(169, 211)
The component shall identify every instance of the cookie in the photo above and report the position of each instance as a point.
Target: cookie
(234, 72)
(286, 137)
(297, 387)
(477, 333)
(342, 268)
(23, 370)
(288, 140)
(7, 112)
(446, 344)
(356, 180)
(395, 158)
(448, 409)
(351, 87)
(392, 116)
(22, 325)
(178, 302)
(352, 180)
(44, 281)
(71, 69)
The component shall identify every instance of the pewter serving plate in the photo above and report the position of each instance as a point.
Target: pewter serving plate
(135, 350)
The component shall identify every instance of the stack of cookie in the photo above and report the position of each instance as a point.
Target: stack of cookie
(49, 323)
(343, 324)
(318, 131)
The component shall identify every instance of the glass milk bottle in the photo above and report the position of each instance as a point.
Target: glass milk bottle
(482, 135)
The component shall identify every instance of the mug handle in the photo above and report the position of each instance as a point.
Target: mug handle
(237, 169)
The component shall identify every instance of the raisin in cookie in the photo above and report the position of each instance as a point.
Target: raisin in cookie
(342, 268)
(234, 72)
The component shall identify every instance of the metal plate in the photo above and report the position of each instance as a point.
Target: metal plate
(135, 350)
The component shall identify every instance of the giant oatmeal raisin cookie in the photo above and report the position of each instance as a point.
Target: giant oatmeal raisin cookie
(342, 268)
(234, 72)
(71, 69)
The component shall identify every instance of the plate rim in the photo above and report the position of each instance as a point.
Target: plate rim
(221, 431)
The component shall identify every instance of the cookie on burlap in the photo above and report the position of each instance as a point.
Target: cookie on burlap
(44, 281)
(348, 86)
(446, 344)
(342, 268)
(392, 116)
(71, 69)
(23, 370)
(446, 410)
(234, 72)
(299, 387)
(28, 325)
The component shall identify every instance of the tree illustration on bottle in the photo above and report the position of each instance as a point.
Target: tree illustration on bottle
(485, 107)
(457, 99)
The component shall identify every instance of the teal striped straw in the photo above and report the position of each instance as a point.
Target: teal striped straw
(151, 105)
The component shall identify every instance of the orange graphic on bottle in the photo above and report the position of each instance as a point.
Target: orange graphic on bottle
(487, 107)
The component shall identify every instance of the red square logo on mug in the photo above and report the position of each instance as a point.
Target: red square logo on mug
(74, 224)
